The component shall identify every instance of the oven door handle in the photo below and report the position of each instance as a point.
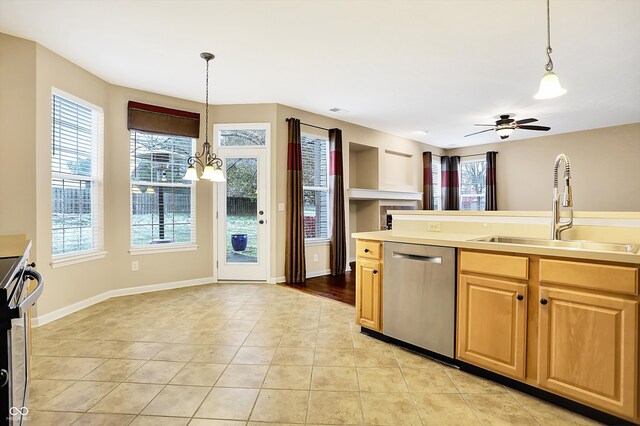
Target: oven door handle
(31, 299)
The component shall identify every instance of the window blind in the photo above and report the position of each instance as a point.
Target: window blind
(437, 187)
(162, 203)
(315, 186)
(76, 176)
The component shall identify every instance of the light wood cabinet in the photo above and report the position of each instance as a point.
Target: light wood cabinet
(369, 284)
(492, 316)
(587, 348)
(575, 333)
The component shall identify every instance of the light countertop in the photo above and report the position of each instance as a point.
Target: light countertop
(466, 241)
(13, 245)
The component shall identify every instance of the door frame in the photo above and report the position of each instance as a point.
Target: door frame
(267, 196)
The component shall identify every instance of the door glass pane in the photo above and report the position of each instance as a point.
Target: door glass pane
(242, 220)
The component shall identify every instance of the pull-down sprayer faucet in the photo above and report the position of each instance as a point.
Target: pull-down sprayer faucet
(557, 226)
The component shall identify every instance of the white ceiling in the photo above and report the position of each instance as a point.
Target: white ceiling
(396, 66)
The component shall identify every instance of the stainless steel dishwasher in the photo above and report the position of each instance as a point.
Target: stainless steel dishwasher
(419, 296)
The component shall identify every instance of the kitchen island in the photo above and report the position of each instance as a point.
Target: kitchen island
(558, 322)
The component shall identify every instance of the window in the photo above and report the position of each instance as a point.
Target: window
(437, 187)
(76, 176)
(162, 203)
(473, 184)
(315, 185)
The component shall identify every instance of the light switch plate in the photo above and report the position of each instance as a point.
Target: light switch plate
(433, 227)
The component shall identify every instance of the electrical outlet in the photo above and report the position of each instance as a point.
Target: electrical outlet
(134, 265)
(281, 207)
(433, 227)
(315, 257)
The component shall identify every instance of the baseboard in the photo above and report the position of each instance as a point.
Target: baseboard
(75, 307)
(276, 280)
(318, 273)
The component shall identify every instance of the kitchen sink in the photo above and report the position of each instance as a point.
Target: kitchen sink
(569, 244)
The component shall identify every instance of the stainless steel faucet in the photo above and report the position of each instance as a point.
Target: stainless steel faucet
(557, 226)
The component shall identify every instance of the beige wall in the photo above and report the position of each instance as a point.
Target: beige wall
(605, 169)
(17, 136)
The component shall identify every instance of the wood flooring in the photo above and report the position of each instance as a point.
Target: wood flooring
(341, 288)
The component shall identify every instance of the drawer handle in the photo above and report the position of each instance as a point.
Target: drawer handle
(543, 301)
(520, 297)
(375, 271)
(367, 250)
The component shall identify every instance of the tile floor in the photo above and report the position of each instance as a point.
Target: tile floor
(247, 354)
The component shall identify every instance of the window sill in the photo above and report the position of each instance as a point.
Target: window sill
(163, 249)
(73, 259)
(317, 242)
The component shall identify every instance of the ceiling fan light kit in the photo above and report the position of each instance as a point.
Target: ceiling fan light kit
(506, 125)
(549, 84)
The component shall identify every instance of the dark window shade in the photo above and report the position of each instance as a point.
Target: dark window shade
(166, 121)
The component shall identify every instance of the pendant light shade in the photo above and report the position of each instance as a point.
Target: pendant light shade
(549, 84)
(208, 160)
(191, 174)
(549, 87)
(218, 175)
(207, 174)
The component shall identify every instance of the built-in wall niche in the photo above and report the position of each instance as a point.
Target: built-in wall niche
(363, 166)
(385, 209)
(398, 171)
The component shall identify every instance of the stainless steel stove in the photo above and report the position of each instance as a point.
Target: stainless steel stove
(15, 300)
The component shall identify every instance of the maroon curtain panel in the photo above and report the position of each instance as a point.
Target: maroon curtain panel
(491, 199)
(294, 262)
(427, 180)
(338, 245)
(449, 181)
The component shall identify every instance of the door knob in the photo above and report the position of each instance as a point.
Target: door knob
(261, 221)
(519, 297)
(543, 301)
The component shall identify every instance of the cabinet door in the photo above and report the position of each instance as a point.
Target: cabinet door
(368, 293)
(492, 324)
(588, 348)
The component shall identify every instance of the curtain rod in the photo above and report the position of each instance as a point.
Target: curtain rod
(308, 125)
(468, 155)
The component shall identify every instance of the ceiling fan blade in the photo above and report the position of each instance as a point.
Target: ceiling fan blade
(527, 120)
(490, 125)
(542, 128)
(481, 131)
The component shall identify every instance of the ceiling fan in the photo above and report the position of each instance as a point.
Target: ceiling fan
(505, 126)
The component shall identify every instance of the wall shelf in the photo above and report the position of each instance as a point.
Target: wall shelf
(375, 194)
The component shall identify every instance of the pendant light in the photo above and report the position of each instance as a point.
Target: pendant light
(210, 163)
(549, 84)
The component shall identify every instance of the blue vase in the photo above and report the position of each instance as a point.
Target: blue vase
(239, 242)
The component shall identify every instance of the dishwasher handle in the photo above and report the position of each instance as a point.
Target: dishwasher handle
(407, 256)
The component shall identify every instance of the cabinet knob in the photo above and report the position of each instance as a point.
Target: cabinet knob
(543, 301)
(366, 250)
(520, 297)
(375, 271)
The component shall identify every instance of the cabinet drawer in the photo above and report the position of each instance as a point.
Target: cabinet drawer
(618, 279)
(495, 264)
(369, 249)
